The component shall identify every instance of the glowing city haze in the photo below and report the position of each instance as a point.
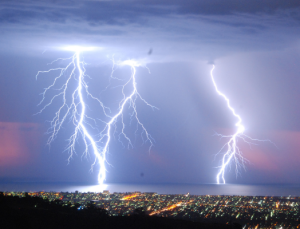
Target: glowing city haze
(75, 110)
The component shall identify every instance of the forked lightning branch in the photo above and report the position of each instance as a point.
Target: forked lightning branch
(232, 153)
(71, 91)
(74, 102)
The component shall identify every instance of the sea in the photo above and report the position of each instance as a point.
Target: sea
(192, 189)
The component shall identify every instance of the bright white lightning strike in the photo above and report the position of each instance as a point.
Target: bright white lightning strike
(233, 153)
(75, 109)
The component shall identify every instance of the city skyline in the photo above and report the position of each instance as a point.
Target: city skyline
(246, 211)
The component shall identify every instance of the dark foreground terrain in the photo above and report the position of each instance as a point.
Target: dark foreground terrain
(35, 212)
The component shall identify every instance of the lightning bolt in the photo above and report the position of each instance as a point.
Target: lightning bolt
(74, 109)
(233, 152)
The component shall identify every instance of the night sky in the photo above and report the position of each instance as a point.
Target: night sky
(254, 45)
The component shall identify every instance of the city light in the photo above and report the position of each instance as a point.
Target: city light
(248, 211)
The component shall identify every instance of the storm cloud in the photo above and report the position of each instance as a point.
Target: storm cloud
(254, 45)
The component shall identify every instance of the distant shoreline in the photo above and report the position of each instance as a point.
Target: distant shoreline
(141, 193)
(176, 189)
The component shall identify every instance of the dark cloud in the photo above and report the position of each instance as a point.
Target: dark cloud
(219, 7)
(129, 30)
(124, 12)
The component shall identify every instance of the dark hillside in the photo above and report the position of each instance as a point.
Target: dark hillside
(34, 212)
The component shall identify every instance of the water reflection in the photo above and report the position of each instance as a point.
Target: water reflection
(205, 189)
